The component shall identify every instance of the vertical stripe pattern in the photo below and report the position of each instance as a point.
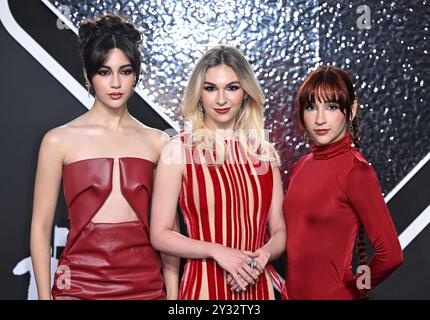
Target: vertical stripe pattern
(226, 204)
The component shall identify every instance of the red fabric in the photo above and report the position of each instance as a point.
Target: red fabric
(228, 204)
(108, 260)
(331, 192)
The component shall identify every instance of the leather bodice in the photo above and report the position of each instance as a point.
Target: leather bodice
(87, 184)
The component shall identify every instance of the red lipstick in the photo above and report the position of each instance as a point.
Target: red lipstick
(321, 132)
(222, 110)
(115, 95)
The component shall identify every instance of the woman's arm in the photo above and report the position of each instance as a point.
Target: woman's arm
(364, 193)
(170, 264)
(167, 188)
(275, 247)
(47, 184)
(171, 270)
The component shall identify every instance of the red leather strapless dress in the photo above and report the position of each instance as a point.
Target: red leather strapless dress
(108, 260)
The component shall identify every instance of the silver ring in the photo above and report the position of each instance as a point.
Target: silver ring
(252, 263)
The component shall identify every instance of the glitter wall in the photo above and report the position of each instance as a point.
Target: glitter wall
(390, 64)
(284, 41)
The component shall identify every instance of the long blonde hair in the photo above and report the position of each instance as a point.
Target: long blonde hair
(249, 122)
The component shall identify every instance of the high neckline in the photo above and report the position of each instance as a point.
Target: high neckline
(333, 149)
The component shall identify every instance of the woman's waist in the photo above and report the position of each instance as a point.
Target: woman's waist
(108, 240)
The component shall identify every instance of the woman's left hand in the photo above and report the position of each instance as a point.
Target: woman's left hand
(260, 263)
(262, 259)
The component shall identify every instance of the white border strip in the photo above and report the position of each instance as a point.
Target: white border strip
(415, 228)
(423, 219)
(140, 92)
(50, 64)
(60, 15)
(408, 177)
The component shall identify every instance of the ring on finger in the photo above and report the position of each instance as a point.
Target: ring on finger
(252, 263)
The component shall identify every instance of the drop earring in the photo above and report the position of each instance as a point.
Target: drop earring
(306, 139)
(351, 134)
(245, 101)
(201, 110)
(88, 89)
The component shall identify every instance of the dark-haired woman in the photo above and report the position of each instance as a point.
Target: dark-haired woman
(106, 159)
(333, 194)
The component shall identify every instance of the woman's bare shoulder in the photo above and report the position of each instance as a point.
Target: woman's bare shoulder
(156, 136)
(65, 133)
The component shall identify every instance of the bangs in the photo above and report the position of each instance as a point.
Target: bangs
(323, 87)
(98, 53)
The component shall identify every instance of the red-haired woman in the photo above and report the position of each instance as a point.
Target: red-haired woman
(333, 194)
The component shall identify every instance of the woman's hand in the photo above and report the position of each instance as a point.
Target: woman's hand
(235, 263)
(261, 261)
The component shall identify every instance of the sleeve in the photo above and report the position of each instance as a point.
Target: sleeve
(364, 194)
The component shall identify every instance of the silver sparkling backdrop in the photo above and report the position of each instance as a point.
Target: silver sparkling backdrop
(284, 41)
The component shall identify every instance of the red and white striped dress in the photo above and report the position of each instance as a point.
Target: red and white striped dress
(226, 204)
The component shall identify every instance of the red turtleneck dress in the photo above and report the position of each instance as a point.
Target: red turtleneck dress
(331, 192)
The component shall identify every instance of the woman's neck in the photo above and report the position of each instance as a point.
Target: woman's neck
(110, 118)
(227, 131)
(333, 149)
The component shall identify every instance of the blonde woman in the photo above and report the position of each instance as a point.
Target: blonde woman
(226, 179)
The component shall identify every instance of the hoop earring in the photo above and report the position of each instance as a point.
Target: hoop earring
(201, 110)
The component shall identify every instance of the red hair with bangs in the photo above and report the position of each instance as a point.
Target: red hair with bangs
(326, 84)
(332, 84)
